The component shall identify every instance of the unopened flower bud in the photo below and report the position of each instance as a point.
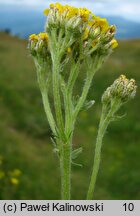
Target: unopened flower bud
(94, 32)
(106, 96)
(74, 24)
(109, 35)
(51, 21)
(38, 44)
(33, 40)
(122, 89)
(112, 29)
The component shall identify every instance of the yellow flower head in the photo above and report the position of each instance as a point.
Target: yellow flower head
(43, 36)
(91, 22)
(52, 6)
(46, 11)
(123, 77)
(14, 181)
(102, 23)
(69, 11)
(114, 43)
(58, 7)
(72, 11)
(84, 14)
(33, 37)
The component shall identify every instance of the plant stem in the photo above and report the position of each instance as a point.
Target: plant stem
(104, 122)
(83, 96)
(65, 166)
(91, 70)
(96, 160)
(41, 71)
(63, 139)
(56, 92)
(48, 111)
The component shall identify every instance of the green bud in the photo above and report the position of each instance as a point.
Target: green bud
(53, 20)
(122, 89)
(94, 32)
(110, 33)
(38, 45)
(32, 47)
(106, 96)
(74, 26)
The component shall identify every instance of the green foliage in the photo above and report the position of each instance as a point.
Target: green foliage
(23, 127)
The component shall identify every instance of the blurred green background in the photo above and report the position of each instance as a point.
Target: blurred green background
(29, 169)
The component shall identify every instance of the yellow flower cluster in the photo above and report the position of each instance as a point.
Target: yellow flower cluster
(33, 37)
(131, 84)
(102, 23)
(69, 11)
(92, 26)
(43, 36)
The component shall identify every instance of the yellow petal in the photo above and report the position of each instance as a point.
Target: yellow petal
(46, 11)
(33, 37)
(114, 43)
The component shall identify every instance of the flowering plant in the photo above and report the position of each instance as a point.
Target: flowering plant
(74, 40)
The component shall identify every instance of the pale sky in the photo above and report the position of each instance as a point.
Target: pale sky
(129, 9)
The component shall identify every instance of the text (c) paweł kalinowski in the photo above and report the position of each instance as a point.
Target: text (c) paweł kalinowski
(97, 207)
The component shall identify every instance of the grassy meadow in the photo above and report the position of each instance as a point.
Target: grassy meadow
(24, 132)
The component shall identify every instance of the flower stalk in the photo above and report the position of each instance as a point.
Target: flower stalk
(121, 91)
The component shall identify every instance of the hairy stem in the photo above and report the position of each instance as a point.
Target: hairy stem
(56, 59)
(48, 111)
(65, 167)
(104, 122)
(56, 92)
(41, 77)
(91, 70)
(83, 96)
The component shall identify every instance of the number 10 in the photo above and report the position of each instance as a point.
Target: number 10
(128, 207)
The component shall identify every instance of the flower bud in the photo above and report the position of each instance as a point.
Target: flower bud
(38, 44)
(122, 89)
(33, 39)
(109, 35)
(52, 21)
(111, 30)
(106, 96)
(74, 24)
(94, 32)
